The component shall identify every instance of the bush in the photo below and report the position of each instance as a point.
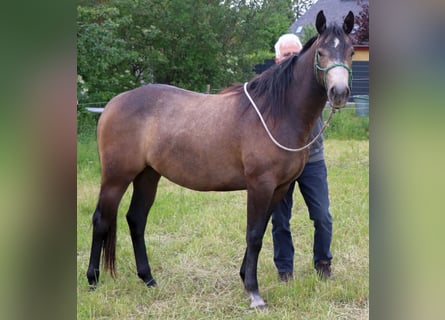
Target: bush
(86, 124)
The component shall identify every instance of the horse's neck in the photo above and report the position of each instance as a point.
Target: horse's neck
(310, 98)
(305, 81)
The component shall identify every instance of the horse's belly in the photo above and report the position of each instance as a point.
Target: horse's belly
(207, 179)
(208, 185)
(211, 170)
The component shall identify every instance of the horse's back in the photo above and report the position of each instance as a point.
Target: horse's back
(190, 138)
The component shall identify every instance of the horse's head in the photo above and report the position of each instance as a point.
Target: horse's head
(333, 59)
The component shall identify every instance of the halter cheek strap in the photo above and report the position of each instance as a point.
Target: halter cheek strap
(326, 70)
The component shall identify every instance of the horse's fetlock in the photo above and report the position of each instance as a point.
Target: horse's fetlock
(151, 283)
(93, 277)
(242, 275)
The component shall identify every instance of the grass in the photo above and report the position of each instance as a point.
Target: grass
(196, 243)
(345, 125)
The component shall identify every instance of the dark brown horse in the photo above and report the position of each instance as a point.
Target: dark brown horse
(216, 142)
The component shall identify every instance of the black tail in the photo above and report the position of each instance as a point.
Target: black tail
(109, 248)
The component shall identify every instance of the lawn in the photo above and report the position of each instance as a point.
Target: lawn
(196, 243)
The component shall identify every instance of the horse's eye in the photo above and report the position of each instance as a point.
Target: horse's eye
(322, 52)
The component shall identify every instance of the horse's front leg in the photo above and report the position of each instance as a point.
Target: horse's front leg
(258, 215)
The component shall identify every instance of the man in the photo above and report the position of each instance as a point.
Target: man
(313, 186)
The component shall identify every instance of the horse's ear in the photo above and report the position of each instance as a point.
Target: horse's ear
(320, 22)
(348, 24)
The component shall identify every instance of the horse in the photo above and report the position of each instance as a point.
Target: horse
(216, 142)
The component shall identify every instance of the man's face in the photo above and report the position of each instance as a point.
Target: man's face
(286, 50)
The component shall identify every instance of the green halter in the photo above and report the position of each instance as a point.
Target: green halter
(325, 70)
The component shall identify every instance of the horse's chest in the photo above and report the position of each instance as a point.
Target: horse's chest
(296, 164)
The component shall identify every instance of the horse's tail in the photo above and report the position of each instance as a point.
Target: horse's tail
(109, 248)
(106, 225)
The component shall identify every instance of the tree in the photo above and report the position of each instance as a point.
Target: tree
(361, 35)
(102, 53)
(188, 43)
(309, 31)
(300, 6)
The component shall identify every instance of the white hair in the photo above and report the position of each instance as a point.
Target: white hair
(286, 38)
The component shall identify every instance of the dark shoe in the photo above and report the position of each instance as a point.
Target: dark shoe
(323, 268)
(285, 276)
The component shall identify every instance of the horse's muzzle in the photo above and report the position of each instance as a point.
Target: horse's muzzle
(338, 96)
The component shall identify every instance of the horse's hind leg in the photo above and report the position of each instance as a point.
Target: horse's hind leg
(145, 186)
(104, 230)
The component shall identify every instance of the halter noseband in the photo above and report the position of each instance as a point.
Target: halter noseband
(325, 70)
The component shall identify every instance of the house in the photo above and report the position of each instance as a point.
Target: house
(335, 11)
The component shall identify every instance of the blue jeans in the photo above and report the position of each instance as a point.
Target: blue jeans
(313, 186)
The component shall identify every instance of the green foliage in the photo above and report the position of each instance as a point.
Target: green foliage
(188, 43)
(102, 55)
(299, 7)
(86, 124)
(309, 31)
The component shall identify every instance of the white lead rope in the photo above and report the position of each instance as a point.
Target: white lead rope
(326, 123)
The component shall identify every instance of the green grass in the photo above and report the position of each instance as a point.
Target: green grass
(196, 243)
(345, 125)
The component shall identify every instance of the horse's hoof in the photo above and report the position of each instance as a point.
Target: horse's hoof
(257, 302)
(151, 283)
(259, 307)
(92, 287)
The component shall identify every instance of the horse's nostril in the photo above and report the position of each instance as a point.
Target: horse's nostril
(337, 92)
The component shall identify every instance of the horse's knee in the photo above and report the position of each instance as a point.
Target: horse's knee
(254, 239)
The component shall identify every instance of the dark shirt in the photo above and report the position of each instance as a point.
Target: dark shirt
(316, 150)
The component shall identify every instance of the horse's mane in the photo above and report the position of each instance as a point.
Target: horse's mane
(271, 86)
(308, 44)
(269, 89)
